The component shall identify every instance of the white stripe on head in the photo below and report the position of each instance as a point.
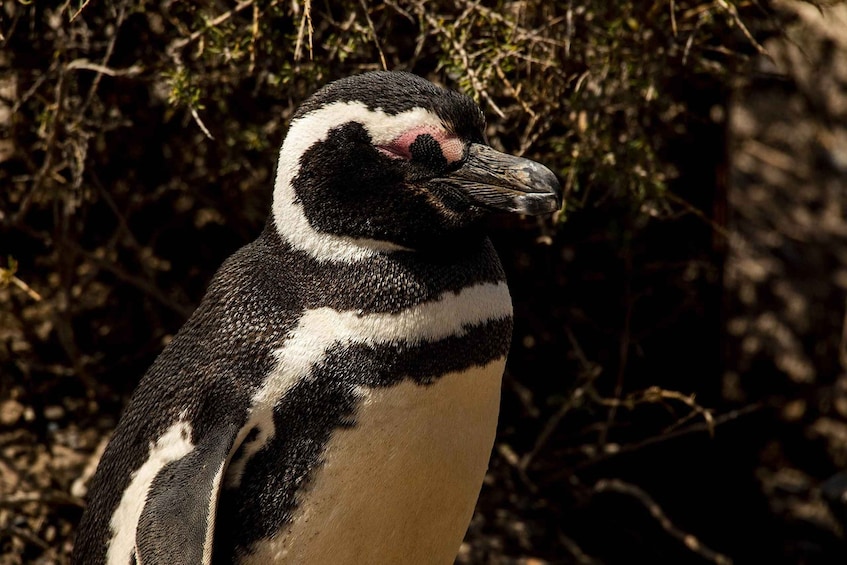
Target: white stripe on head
(174, 444)
(305, 131)
(451, 314)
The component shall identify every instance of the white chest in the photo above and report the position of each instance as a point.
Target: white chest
(400, 486)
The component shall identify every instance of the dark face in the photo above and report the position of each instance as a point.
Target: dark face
(393, 158)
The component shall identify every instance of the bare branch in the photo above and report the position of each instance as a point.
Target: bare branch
(200, 123)
(305, 20)
(49, 497)
(85, 64)
(243, 5)
(733, 11)
(688, 540)
(374, 34)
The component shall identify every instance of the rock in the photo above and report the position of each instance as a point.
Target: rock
(10, 412)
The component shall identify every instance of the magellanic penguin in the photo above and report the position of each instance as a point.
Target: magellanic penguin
(334, 398)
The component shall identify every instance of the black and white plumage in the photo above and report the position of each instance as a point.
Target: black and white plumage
(334, 397)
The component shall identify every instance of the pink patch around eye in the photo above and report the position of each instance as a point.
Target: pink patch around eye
(452, 147)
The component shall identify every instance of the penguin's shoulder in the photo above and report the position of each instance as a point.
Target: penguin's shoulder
(214, 362)
(259, 280)
(187, 409)
(225, 350)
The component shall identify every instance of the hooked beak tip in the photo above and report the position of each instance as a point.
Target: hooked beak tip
(544, 191)
(538, 204)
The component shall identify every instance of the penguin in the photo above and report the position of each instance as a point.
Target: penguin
(334, 397)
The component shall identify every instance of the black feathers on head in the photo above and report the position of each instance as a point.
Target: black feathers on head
(395, 92)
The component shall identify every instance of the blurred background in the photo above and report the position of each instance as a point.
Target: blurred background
(676, 390)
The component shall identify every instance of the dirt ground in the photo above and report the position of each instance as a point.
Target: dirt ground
(785, 353)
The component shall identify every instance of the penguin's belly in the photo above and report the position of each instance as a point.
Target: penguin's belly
(399, 486)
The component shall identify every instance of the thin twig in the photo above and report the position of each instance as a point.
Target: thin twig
(373, 33)
(842, 349)
(48, 148)
(180, 43)
(49, 497)
(476, 83)
(590, 372)
(523, 33)
(673, 19)
(36, 84)
(26, 535)
(86, 65)
(708, 427)
(733, 11)
(200, 123)
(305, 22)
(688, 540)
(508, 455)
(394, 6)
(515, 92)
(623, 354)
(110, 47)
(8, 35)
(541, 441)
(576, 552)
(79, 11)
(147, 287)
(79, 488)
(690, 41)
(26, 288)
(656, 394)
(719, 229)
(254, 35)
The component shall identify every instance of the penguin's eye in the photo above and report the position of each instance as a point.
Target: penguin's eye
(425, 145)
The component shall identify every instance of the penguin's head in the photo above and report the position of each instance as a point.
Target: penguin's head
(385, 161)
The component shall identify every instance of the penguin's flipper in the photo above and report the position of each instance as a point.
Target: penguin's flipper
(178, 520)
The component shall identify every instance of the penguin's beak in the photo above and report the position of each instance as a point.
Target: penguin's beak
(498, 181)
